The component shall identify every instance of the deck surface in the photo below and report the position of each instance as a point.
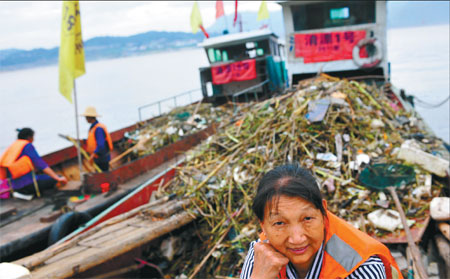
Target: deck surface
(33, 211)
(91, 250)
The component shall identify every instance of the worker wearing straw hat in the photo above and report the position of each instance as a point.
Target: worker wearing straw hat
(99, 143)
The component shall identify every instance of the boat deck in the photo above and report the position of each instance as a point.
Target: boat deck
(33, 219)
(113, 238)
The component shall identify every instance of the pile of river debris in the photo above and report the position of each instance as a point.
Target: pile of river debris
(168, 128)
(337, 129)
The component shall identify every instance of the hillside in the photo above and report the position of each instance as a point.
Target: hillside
(102, 48)
(400, 14)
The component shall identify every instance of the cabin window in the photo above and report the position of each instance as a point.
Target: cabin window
(339, 13)
(225, 56)
(218, 55)
(211, 55)
(251, 45)
(239, 52)
(333, 14)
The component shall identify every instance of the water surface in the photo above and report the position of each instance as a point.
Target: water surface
(29, 98)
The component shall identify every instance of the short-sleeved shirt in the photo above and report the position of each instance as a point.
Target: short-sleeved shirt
(373, 268)
(38, 164)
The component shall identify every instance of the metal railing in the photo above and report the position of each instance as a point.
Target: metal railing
(245, 91)
(158, 103)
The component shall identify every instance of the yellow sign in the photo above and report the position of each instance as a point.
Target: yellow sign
(71, 50)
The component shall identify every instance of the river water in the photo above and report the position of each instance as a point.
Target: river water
(118, 87)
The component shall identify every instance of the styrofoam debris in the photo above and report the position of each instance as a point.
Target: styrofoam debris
(376, 123)
(421, 191)
(326, 157)
(440, 208)
(170, 246)
(362, 158)
(386, 219)
(171, 130)
(410, 152)
(346, 137)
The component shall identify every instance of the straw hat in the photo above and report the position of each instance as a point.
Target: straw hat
(91, 112)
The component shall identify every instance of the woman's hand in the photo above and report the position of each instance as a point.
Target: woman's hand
(62, 180)
(59, 179)
(267, 261)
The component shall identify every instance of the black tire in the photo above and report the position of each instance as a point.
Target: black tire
(66, 224)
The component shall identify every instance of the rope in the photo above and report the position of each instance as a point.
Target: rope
(428, 105)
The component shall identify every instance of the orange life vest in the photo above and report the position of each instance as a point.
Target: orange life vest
(347, 248)
(92, 142)
(9, 161)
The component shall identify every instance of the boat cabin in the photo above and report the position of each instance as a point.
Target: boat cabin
(343, 38)
(243, 65)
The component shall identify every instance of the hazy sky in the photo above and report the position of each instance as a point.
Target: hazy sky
(31, 24)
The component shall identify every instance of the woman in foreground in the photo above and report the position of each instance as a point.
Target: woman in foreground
(301, 239)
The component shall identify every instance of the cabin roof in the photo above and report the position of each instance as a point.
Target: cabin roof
(232, 39)
(303, 2)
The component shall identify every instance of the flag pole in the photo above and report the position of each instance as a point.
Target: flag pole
(226, 22)
(78, 129)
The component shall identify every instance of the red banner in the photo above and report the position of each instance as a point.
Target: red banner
(320, 47)
(237, 71)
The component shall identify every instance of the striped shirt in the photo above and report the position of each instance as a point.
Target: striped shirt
(373, 268)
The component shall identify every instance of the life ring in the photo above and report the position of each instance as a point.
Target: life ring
(368, 62)
(66, 224)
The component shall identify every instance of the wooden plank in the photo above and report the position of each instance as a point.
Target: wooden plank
(97, 240)
(75, 264)
(7, 210)
(68, 253)
(95, 256)
(25, 226)
(133, 232)
(51, 217)
(107, 230)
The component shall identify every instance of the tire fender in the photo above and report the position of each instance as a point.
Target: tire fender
(66, 224)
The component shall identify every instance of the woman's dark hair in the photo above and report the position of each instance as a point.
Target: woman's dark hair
(25, 133)
(287, 180)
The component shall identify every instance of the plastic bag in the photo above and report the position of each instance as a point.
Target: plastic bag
(4, 189)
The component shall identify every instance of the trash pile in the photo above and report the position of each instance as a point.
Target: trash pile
(169, 128)
(337, 129)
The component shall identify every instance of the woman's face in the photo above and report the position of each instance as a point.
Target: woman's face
(295, 228)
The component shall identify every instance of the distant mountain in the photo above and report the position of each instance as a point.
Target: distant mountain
(400, 14)
(102, 48)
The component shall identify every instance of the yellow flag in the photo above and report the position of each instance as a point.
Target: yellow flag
(263, 13)
(196, 18)
(71, 51)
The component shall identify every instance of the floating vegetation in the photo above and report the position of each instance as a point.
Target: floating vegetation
(333, 127)
(168, 128)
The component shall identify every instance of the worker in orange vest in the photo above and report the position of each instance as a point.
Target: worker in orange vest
(98, 144)
(20, 163)
(301, 239)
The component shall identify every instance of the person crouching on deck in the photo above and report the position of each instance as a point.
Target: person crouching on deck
(99, 143)
(20, 162)
(301, 239)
